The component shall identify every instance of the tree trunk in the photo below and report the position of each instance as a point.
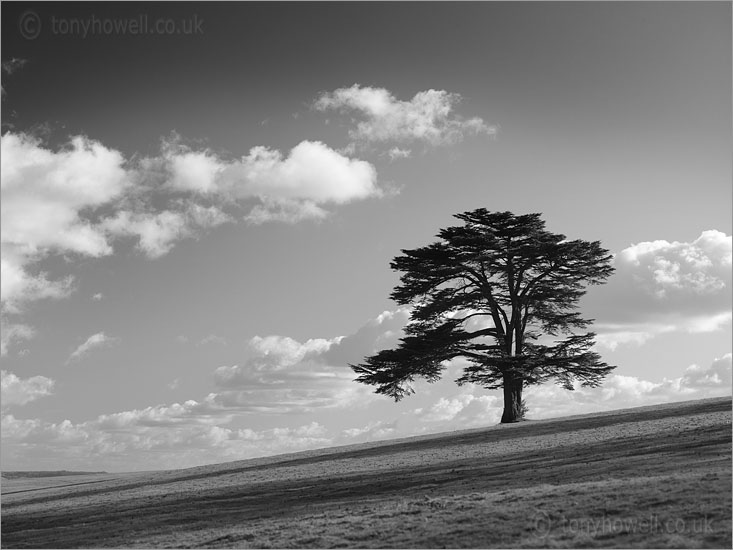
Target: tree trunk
(512, 400)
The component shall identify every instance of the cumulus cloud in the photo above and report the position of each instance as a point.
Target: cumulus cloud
(313, 171)
(665, 270)
(88, 196)
(95, 341)
(45, 195)
(716, 376)
(467, 406)
(289, 188)
(39, 184)
(19, 391)
(663, 286)
(429, 117)
(619, 391)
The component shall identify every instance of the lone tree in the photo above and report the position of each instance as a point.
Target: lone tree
(489, 291)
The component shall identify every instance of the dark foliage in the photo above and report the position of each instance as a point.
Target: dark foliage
(487, 291)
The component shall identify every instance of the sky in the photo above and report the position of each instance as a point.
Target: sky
(198, 219)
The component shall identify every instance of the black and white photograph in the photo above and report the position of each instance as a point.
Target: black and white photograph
(391, 274)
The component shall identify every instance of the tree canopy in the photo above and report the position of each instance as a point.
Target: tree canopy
(502, 292)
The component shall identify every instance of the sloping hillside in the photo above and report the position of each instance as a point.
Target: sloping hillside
(652, 477)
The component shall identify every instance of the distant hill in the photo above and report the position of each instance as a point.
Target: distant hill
(42, 473)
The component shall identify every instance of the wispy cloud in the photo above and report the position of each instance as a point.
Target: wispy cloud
(9, 67)
(284, 375)
(95, 341)
(11, 333)
(213, 339)
(395, 153)
(14, 64)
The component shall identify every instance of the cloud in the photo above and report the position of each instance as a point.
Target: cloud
(175, 436)
(196, 171)
(9, 67)
(662, 286)
(716, 376)
(213, 339)
(283, 351)
(97, 297)
(189, 412)
(428, 117)
(313, 171)
(18, 391)
(286, 211)
(284, 375)
(18, 285)
(46, 196)
(374, 430)
(382, 332)
(88, 196)
(467, 406)
(299, 390)
(12, 333)
(200, 432)
(156, 233)
(610, 335)
(619, 391)
(55, 187)
(289, 189)
(396, 153)
(95, 341)
(14, 64)
(667, 270)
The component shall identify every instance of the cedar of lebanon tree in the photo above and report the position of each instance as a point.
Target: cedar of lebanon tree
(487, 291)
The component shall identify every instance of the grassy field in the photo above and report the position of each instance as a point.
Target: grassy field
(649, 477)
